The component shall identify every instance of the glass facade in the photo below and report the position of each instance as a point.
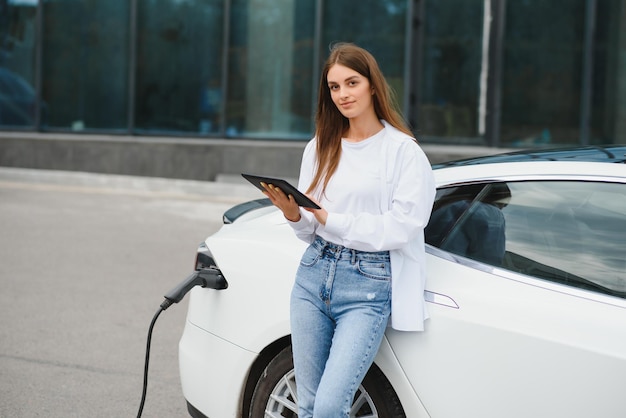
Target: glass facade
(485, 72)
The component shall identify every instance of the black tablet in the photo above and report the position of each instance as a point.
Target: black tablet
(288, 189)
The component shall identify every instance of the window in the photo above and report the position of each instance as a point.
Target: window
(270, 81)
(608, 98)
(85, 64)
(18, 34)
(545, 94)
(541, 82)
(563, 231)
(451, 70)
(179, 66)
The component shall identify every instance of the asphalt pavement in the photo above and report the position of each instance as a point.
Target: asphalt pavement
(85, 260)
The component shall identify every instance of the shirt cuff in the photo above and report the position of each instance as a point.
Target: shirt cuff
(299, 223)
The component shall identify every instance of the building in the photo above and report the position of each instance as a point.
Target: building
(194, 88)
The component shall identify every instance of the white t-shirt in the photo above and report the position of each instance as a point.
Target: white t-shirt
(355, 186)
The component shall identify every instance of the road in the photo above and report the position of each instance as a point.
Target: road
(84, 263)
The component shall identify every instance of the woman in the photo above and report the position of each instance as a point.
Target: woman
(375, 188)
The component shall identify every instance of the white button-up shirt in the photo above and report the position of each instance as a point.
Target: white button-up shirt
(380, 198)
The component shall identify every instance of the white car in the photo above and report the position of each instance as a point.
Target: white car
(526, 262)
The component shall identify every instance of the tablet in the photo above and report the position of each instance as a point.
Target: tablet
(300, 198)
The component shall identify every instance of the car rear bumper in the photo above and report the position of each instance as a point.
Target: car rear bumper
(212, 372)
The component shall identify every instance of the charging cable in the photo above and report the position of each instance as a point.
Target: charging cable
(208, 277)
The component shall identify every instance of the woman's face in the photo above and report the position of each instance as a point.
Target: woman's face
(350, 91)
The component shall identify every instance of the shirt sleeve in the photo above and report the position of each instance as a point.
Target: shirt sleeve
(306, 226)
(412, 192)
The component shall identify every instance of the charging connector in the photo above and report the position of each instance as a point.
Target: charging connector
(207, 277)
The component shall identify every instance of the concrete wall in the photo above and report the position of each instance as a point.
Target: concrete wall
(178, 157)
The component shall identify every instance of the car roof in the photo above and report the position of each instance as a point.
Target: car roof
(603, 154)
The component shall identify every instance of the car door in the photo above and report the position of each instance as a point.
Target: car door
(528, 317)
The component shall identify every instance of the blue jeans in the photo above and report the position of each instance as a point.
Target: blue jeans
(340, 305)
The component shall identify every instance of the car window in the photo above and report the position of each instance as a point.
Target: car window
(570, 232)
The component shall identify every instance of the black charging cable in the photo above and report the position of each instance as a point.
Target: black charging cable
(207, 277)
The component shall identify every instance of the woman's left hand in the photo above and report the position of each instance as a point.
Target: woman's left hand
(288, 205)
(285, 203)
(320, 214)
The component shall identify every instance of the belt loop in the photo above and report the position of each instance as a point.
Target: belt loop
(323, 243)
(353, 256)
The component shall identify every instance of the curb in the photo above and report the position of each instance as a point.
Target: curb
(227, 188)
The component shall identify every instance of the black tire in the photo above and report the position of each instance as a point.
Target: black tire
(275, 392)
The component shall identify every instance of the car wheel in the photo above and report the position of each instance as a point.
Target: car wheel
(275, 393)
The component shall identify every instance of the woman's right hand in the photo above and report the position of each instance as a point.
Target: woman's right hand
(286, 203)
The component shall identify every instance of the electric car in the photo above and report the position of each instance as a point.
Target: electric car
(526, 290)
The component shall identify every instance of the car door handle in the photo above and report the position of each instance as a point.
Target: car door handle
(440, 299)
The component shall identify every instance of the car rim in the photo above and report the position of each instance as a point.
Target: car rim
(283, 401)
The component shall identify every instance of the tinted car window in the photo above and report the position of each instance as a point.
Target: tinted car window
(563, 231)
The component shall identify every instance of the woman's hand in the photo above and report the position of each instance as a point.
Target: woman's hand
(286, 204)
(320, 214)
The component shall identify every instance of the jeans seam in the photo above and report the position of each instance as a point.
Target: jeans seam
(353, 387)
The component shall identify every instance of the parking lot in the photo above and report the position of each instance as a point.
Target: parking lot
(84, 263)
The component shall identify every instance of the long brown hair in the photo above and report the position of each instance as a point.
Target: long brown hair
(331, 125)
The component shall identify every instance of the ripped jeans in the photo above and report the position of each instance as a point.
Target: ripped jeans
(340, 305)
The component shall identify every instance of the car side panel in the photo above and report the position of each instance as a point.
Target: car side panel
(259, 261)
(213, 372)
(388, 363)
(515, 349)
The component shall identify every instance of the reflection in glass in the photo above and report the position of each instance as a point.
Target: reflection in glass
(270, 69)
(569, 232)
(608, 104)
(541, 84)
(449, 102)
(85, 64)
(179, 66)
(470, 222)
(18, 33)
